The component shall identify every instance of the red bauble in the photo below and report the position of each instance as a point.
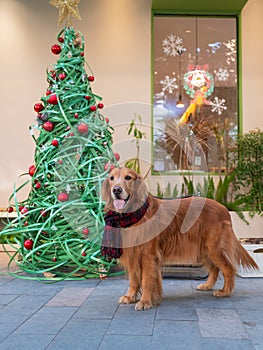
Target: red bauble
(62, 76)
(100, 105)
(82, 54)
(91, 78)
(38, 107)
(26, 223)
(60, 39)
(43, 213)
(71, 133)
(24, 211)
(31, 170)
(53, 100)
(63, 197)
(54, 143)
(87, 97)
(28, 244)
(38, 185)
(20, 207)
(85, 231)
(83, 254)
(48, 126)
(117, 156)
(109, 166)
(76, 115)
(60, 161)
(93, 108)
(107, 120)
(83, 128)
(10, 209)
(56, 49)
(54, 259)
(48, 92)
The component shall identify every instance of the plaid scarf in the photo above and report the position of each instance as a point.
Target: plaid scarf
(114, 221)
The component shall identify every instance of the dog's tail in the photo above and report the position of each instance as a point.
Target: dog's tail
(234, 252)
(245, 259)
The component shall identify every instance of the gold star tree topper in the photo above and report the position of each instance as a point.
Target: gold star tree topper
(67, 8)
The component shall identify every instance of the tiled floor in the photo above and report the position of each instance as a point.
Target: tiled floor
(86, 315)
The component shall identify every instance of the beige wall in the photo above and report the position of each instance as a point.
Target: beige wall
(118, 49)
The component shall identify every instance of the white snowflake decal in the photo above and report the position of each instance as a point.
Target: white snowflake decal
(169, 84)
(218, 105)
(222, 74)
(231, 51)
(215, 46)
(173, 45)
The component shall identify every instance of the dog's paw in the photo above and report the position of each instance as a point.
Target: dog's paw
(125, 299)
(204, 286)
(143, 305)
(220, 294)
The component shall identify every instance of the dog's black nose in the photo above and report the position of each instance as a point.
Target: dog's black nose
(117, 190)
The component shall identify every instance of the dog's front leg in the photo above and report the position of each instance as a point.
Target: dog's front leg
(151, 283)
(134, 288)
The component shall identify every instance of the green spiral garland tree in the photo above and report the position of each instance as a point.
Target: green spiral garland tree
(59, 226)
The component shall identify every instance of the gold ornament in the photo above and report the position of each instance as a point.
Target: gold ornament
(67, 8)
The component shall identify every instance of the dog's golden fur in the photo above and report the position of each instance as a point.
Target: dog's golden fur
(190, 230)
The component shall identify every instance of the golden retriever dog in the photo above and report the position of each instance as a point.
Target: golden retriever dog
(148, 232)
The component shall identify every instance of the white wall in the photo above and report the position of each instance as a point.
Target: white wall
(118, 49)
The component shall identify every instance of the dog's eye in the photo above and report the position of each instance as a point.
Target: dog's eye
(128, 177)
(112, 178)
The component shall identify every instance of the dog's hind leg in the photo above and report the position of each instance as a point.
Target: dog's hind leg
(212, 278)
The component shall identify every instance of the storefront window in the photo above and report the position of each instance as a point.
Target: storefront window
(194, 63)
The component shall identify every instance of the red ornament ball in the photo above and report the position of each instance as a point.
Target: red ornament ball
(107, 120)
(48, 126)
(91, 78)
(26, 223)
(56, 49)
(31, 170)
(60, 161)
(82, 54)
(60, 39)
(76, 115)
(62, 76)
(109, 167)
(28, 244)
(10, 209)
(48, 92)
(54, 259)
(63, 197)
(43, 213)
(117, 156)
(93, 108)
(38, 185)
(53, 100)
(54, 143)
(87, 97)
(24, 211)
(85, 231)
(100, 105)
(38, 107)
(83, 254)
(83, 128)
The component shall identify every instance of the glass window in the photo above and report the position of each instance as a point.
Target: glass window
(194, 63)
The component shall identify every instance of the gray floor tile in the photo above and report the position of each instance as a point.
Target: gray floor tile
(220, 323)
(70, 296)
(226, 344)
(28, 342)
(127, 342)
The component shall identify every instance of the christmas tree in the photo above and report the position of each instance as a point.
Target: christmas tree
(59, 226)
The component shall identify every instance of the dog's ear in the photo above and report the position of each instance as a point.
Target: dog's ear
(139, 188)
(106, 192)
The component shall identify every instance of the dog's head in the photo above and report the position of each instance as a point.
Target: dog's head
(124, 190)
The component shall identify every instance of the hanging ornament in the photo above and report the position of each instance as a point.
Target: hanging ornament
(63, 197)
(38, 107)
(83, 128)
(198, 84)
(48, 126)
(56, 49)
(28, 244)
(31, 170)
(53, 100)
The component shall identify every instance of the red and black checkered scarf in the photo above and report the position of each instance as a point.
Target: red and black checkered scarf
(111, 246)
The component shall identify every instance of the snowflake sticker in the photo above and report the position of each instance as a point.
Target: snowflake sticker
(218, 105)
(169, 84)
(173, 45)
(215, 46)
(222, 74)
(231, 51)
